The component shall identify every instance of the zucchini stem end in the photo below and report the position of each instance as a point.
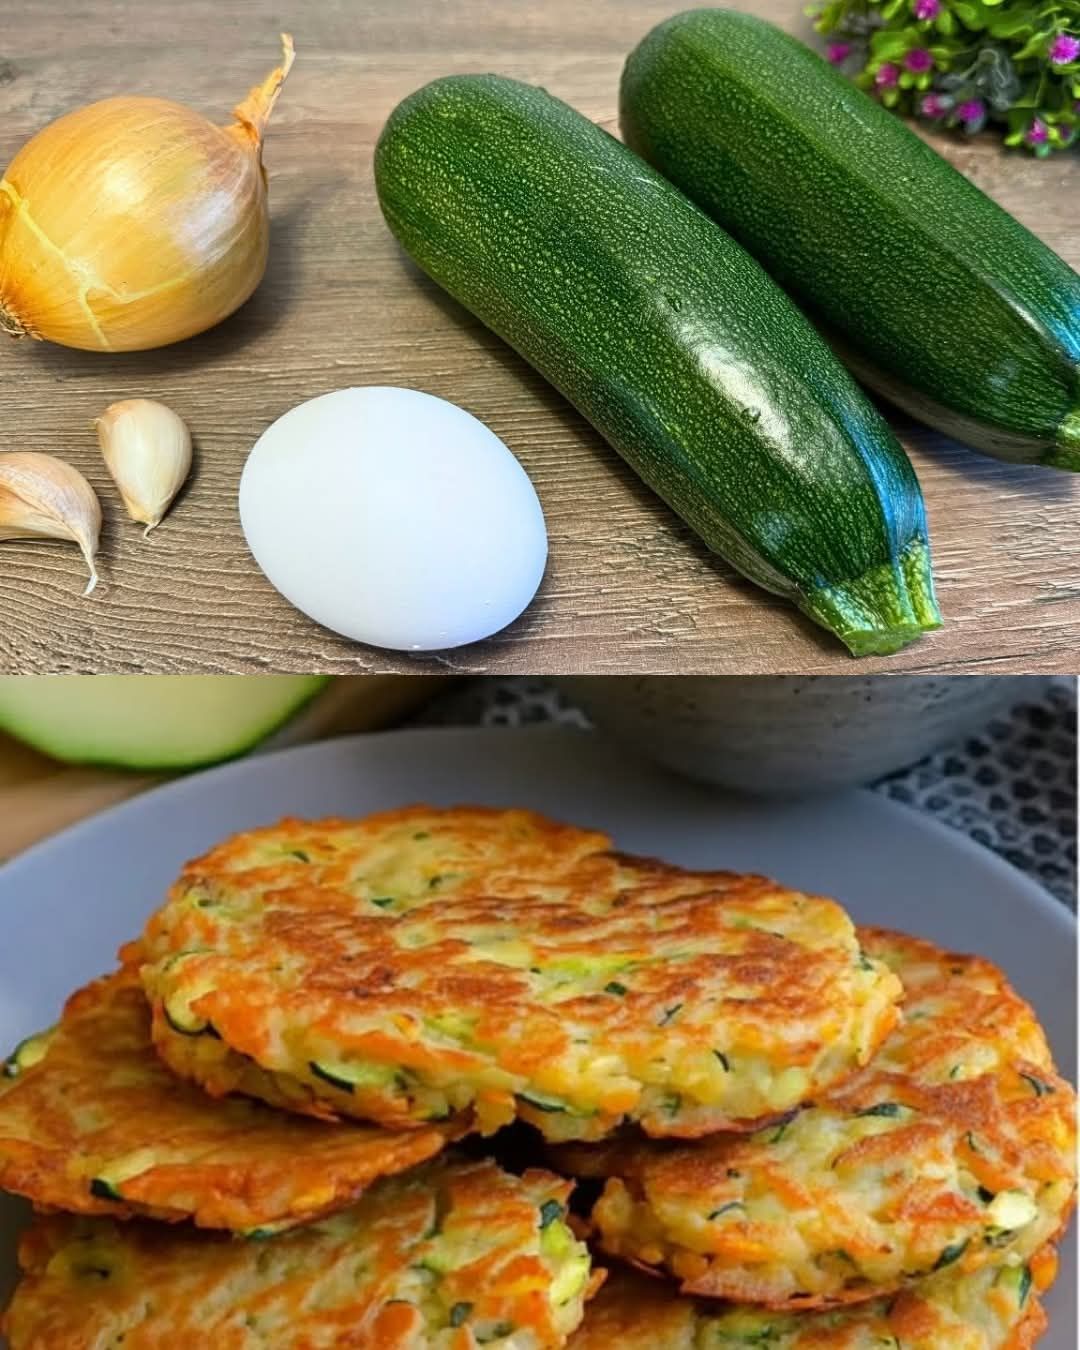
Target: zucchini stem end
(882, 611)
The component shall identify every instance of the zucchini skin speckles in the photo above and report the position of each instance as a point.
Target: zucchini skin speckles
(942, 301)
(671, 340)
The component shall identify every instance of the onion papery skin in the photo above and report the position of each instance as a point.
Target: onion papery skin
(133, 223)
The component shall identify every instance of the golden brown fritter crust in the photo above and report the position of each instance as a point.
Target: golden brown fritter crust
(450, 1256)
(991, 1309)
(419, 962)
(954, 1147)
(98, 1125)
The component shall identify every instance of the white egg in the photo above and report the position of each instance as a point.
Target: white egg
(395, 518)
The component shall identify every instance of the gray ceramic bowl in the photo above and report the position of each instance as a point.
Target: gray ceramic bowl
(791, 735)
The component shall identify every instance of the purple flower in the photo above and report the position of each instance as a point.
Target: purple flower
(919, 60)
(926, 9)
(1037, 133)
(1063, 49)
(838, 52)
(887, 75)
(971, 110)
(934, 106)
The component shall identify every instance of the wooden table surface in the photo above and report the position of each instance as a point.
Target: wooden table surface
(628, 588)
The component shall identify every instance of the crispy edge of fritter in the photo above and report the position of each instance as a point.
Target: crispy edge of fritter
(620, 1159)
(242, 1070)
(643, 1312)
(391, 1226)
(97, 1030)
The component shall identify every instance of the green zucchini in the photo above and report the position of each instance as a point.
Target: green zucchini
(27, 1053)
(177, 1005)
(349, 1077)
(534, 1099)
(104, 1189)
(550, 1210)
(107, 1184)
(155, 721)
(940, 300)
(671, 340)
(265, 1231)
(181, 1019)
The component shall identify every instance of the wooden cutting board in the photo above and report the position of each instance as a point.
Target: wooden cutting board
(628, 589)
(38, 795)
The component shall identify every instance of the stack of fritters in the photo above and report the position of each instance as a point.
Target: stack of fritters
(914, 1204)
(319, 1009)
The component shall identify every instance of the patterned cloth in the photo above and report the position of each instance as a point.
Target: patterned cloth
(1012, 787)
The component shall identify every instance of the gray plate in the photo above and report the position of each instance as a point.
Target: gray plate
(69, 902)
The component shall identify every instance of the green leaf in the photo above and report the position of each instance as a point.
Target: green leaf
(970, 15)
(1011, 22)
(1033, 46)
(887, 44)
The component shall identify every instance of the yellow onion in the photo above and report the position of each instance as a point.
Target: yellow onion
(135, 222)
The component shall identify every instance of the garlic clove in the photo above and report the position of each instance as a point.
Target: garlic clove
(41, 497)
(147, 449)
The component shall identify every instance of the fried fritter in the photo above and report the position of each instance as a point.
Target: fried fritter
(955, 1147)
(408, 966)
(995, 1308)
(451, 1256)
(92, 1121)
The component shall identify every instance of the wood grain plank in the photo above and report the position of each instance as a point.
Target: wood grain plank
(628, 587)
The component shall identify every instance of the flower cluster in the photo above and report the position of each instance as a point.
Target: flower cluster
(1014, 64)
